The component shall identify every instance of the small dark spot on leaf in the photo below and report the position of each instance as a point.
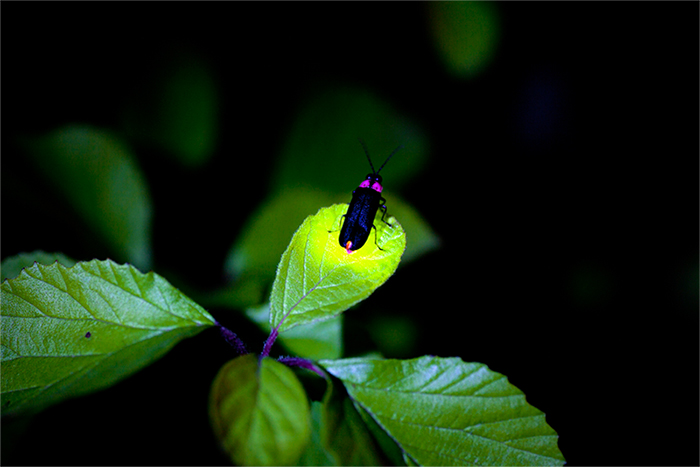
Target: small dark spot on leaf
(88, 335)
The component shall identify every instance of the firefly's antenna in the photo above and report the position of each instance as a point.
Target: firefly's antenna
(364, 146)
(370, 160)
(387, 159)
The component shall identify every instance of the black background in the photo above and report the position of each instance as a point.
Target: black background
(608, 196)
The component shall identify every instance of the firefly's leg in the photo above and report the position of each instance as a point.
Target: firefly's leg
(375, 238)
(382, 206)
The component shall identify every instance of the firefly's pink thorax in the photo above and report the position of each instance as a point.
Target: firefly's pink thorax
(376, 186)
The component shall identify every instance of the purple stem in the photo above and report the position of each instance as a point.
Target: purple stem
(268, 344)
(302, 363)
(233, 340)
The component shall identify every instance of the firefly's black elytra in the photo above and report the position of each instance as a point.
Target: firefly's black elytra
(366, 199)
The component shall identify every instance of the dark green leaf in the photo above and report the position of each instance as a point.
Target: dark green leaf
(466, 35)
(97, 173)
(177, 109)
(322, 149)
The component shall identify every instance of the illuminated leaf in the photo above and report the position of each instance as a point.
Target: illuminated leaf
(317, 279)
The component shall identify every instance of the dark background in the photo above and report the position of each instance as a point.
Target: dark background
(563, 182)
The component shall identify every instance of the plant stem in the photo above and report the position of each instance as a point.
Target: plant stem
(302, 363)
(233, 340)
(268, 343)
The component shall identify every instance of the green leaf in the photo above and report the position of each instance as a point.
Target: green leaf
(317, 279)
(322, 149)
(12, 266)
(259, 412)
(72, 331)
(443, 411)
(97, 173)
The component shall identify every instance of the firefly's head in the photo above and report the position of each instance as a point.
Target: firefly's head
(373, 181)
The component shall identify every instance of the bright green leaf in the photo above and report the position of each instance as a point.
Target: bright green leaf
(97, 173)
(443, 411)
(12, 266)
(72, 331)
(317, 279)
(259, 412)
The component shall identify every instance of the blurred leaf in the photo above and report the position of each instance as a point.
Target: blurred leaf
(259, 412)
(396, 336)
(12, 266)
(466, 35)
(71, 331)
(443, 411)
(177, 110)
(96, 172)
(316, 453)
(339, 436)
(322, 339)
(591, 284)
(322, 149)
(317, 279)
(421, 239)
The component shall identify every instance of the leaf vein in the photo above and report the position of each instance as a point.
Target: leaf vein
(474, 435)
(93, 318)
